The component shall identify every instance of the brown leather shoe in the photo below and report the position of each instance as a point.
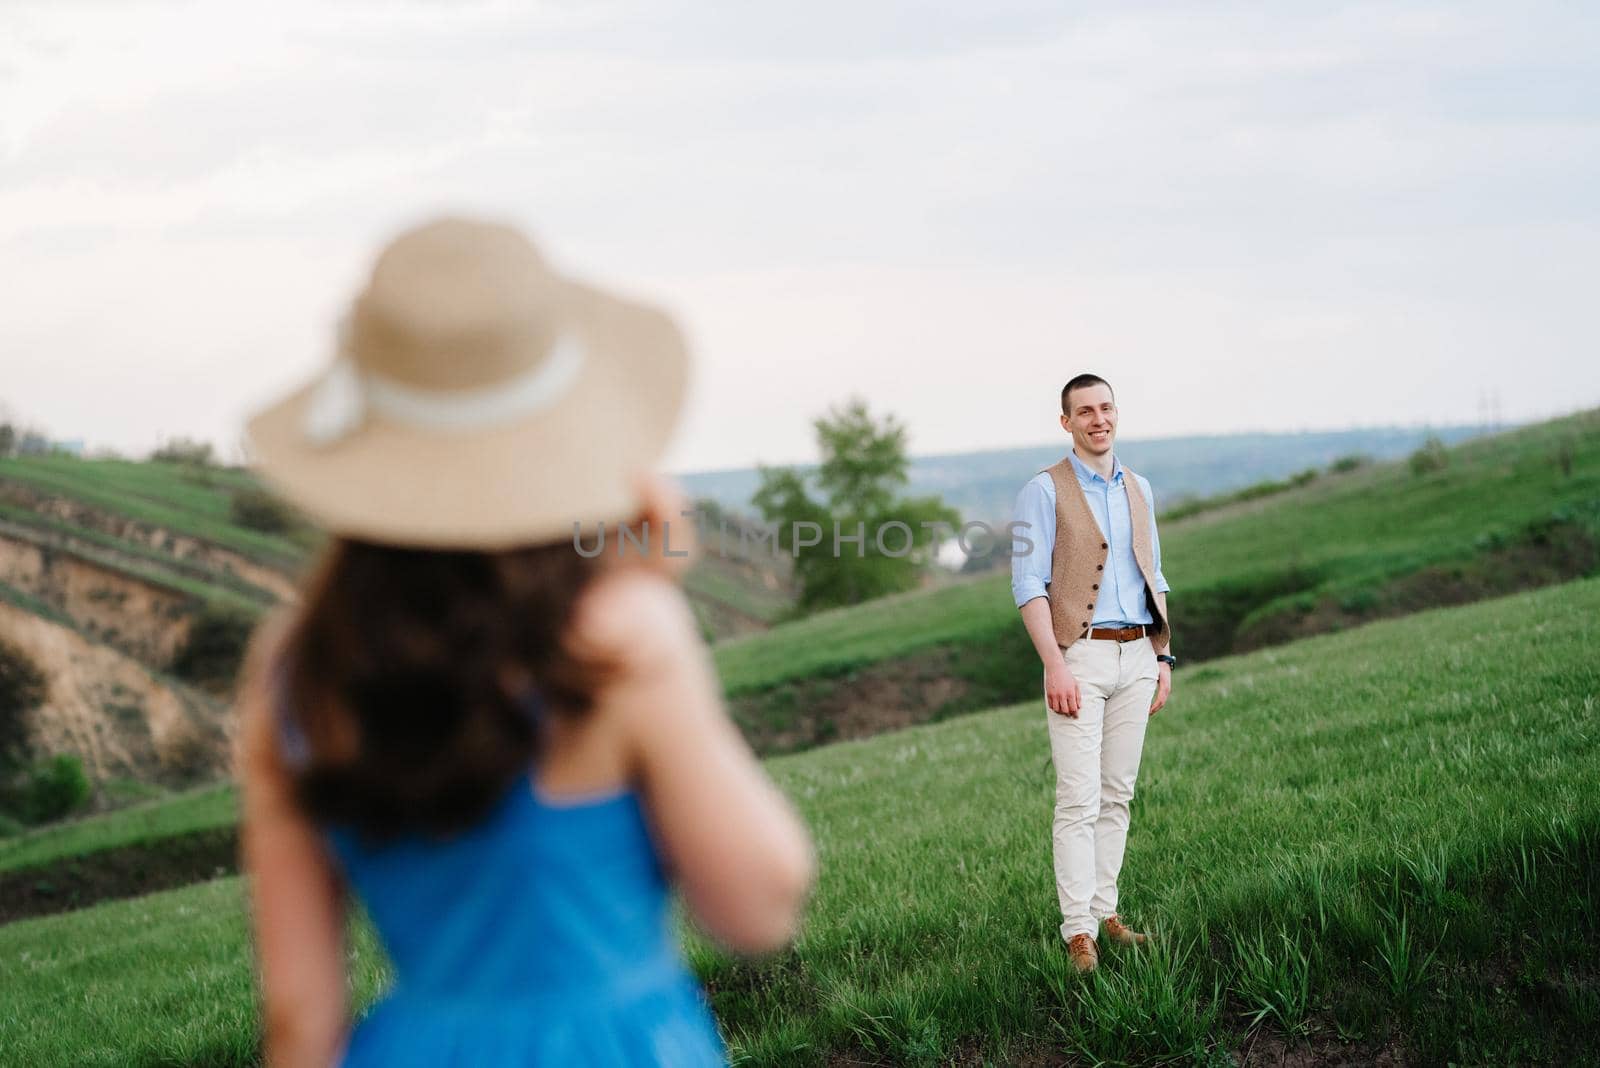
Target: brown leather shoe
(1085, 957)
(1121, 934)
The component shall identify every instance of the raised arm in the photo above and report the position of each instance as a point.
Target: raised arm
(738, 851)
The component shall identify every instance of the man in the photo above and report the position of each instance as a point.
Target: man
(1095, 604)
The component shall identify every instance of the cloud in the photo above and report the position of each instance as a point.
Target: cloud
(835, 197)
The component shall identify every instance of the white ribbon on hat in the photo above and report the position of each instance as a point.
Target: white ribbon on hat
(346, 394)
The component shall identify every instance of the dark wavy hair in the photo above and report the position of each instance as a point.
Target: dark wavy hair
(410, 681)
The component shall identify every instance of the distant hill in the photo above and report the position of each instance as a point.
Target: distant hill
(984, 484)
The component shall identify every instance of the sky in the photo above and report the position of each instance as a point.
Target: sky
(1245, 216)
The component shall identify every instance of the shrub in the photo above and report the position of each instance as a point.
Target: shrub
(1359, 602)
(1257, 490)
(1431, 457)
(1346, 464)
(184, 451)
(1301, 478)
(215, 647)
(260, 510)
(1185, 506)
(47, 791)
(22, 689)
(1565, 451)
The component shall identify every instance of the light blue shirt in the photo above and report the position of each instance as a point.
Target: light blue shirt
(1121, 599)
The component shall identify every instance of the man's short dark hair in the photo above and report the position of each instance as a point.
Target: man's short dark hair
(1083, 381)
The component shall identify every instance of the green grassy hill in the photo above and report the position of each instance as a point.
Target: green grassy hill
(130, 588)
(168, 566)
(149, 822)
(1498, 514)
(181, 498)
(1381, 844)
(163, 502)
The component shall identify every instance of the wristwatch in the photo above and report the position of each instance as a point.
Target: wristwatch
(1170, 661)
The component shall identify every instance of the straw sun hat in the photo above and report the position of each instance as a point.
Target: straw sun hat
(477, 399)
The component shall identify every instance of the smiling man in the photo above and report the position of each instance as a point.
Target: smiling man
(1087, 577)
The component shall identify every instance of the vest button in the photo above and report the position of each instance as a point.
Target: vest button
(1096, 586)
(1099, 567)
(1083, 624)
(1103, 545)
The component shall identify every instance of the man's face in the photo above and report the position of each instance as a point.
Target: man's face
(1091, 419)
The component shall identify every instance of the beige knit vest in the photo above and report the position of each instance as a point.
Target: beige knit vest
(1082, 552)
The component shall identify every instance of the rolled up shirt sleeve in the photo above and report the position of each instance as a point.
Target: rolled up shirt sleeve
(1155, 535)
(1033, 527)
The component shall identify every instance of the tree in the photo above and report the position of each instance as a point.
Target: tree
(215, 648)
(8, 430)
(862, 540)
(181, 450)
(257, 509)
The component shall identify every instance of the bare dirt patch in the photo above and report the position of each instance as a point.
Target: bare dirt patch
(108, 708)
(858, 704)
(1264, 1049)
(142, 618)
(1544, 555)
(126, 871)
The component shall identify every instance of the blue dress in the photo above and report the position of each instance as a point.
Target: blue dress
(541, 936)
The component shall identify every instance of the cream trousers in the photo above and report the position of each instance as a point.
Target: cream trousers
(1096, 756)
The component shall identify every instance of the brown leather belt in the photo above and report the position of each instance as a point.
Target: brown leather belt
(1118, 634)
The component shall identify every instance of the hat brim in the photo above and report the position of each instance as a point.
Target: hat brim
(523, 482)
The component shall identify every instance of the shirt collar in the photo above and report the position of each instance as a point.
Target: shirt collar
(1088, 475)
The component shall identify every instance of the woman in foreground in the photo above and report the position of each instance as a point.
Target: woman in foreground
(507, 750)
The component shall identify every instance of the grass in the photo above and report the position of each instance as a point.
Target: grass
(724, 581)
(199, 809)
(180, 581)
(182, 499)
(1381, 840)
(1321, 832)
(172, 968)
(832, 642)
(133, 557)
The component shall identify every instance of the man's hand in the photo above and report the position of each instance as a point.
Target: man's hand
(1061, 690)
(1163, 687)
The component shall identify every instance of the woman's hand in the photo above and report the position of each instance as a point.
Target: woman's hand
(672, 532)
(740, 853)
